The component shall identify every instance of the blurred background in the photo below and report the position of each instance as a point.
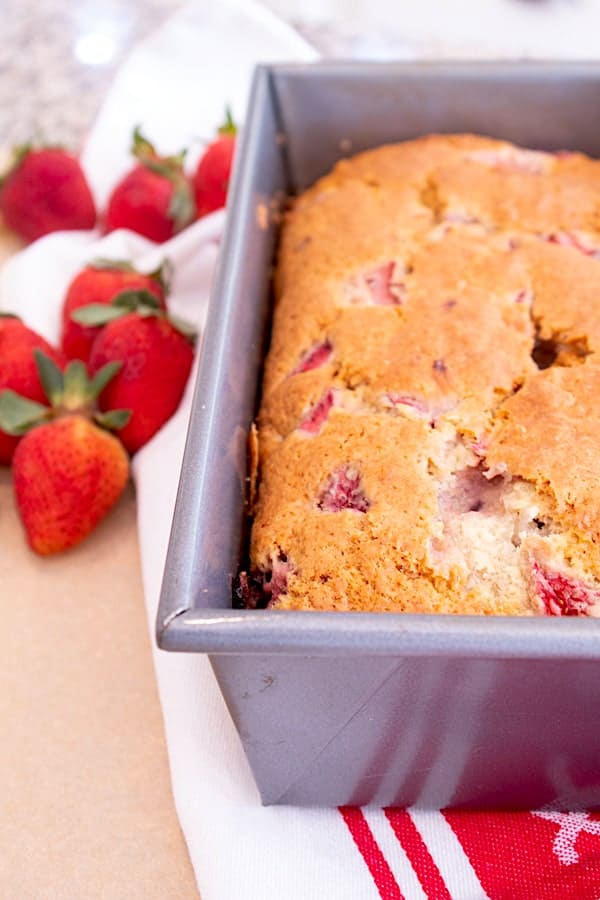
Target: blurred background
(57, 57)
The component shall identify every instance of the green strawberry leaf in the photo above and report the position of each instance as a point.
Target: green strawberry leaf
(146, 153)
(178, 161)
(163, 274)
(140, 301)
(229, 126)
(111, 265)
(114, 419)
(102, 377)
(50, 376)
(141, 147)
(97, 314)
(145, 313)
(184, 327)
(18, 415)
(169, 167)
(182, 207)
(18, 155)
(132, 300)
(9, 315)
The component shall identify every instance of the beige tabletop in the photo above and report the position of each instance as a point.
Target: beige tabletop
(85, 804)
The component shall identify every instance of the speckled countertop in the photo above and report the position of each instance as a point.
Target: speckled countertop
(58, 57)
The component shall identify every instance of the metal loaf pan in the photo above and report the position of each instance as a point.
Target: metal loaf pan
(336, 708)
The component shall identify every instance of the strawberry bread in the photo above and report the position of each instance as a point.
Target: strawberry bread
(429, 433)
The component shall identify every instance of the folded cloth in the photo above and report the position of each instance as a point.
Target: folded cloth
(176, 85)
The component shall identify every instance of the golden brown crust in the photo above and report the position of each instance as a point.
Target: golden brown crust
(549, 434)
(413, 456)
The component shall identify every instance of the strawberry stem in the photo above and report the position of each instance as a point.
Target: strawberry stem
(229, 126)
(70, 392)
(111, 265)
(141, 147)
(182, 207)
(76, 386)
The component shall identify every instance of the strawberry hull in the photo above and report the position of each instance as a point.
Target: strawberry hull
(357, 708)
(155, 198)
(98, 285)
(67, 476)
(157, 360)
(18, 371)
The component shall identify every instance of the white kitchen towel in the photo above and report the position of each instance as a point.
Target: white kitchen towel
(176, 85)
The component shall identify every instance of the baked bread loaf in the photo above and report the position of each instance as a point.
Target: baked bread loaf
(429, 433)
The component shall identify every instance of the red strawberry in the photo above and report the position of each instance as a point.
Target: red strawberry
(157, 358)
(67, 471)
(211, 179)
(314, 419)
(262, 588)
(44, 191)
(317, 356)
(556, 593)
(18, 370)
(102, 282)
(155, 198)
(381, 285)
(344, 491)
(67, 475)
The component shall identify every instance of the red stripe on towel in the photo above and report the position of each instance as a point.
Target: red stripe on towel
(419, 856)
(369, 849)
